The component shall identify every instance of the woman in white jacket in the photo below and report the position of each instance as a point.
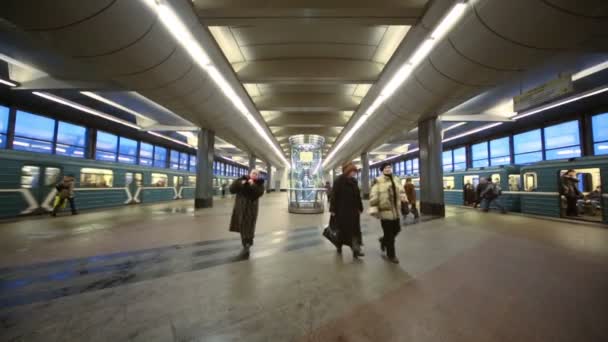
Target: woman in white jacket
(385, 203)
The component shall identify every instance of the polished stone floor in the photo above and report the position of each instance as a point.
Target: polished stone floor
(168, 273)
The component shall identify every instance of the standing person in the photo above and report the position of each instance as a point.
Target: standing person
(385, 204)
(346, 207)
(65, 191)
(248, 190)
(224, 186)
(490, 193)
(469, 194)
(410, 193)
(569, 189)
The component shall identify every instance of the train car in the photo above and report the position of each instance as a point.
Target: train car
(507, 176)
(27, 183)
(540, 182)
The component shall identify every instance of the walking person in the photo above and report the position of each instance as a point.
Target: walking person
(569, 189)
(248, 189)
(346, 207)
(385, 203)
(65, 191)
(410, 193)
(490, 193)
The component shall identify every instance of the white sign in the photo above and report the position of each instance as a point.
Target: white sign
(544, 93)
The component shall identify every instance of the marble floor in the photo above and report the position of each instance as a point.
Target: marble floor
(166, 272)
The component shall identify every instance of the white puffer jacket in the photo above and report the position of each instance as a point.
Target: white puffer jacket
(381, 198)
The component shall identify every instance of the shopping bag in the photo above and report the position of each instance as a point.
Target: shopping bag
(59, 200)
(331, 233)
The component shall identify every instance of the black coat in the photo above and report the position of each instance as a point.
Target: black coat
(569, 187)
(245, 212)
(346, 204)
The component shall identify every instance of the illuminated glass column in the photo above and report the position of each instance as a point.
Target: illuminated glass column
(306, 181)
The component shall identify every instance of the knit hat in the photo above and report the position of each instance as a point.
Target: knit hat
(383, 165)
(348, 168)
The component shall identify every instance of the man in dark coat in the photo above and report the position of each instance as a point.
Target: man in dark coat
(346, 206)
(248, 190)
(569, 189)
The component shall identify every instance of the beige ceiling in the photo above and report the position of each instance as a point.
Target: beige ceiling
(308, 64)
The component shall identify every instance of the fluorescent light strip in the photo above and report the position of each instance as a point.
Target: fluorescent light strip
(454, 126)
(560, 103)
(395, 157)
(183, 35)
(473, 131)
(170, 139)
(440, 31)
(113, 104)
(590, 71)
(84, 109)
(8, 83)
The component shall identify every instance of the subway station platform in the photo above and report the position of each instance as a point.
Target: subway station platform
(166, 272)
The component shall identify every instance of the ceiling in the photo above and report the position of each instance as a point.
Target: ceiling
(307, 65)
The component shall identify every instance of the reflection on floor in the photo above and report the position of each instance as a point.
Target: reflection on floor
(168, 273)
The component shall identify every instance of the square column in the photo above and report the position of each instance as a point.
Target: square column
(268, 181)
(431, 167)
(203, 197)
(251, 161)
(365, 176)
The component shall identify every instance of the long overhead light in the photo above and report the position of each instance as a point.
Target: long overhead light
(171, 139)
(590, 71)
(404, 72)
(397, 156)
(473, 131)
(561, 102)
(114, 104)
(453, 126)
(85, 109)
(8, 83)
(182, 34)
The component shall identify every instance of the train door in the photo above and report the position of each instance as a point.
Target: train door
(134, 181)
(470, 183)
(41, 181)
(587, 203)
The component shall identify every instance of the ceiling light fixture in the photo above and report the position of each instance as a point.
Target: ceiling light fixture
(440, 31)
(182, 34)
(453, 126)
(590, 71)
(395, 157)
(561, 102)
(8, 83)
(113, 104)
(171, 139)
(85, 109)
(473, 131)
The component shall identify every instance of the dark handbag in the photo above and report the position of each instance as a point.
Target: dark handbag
(405, 209)
(331, 233)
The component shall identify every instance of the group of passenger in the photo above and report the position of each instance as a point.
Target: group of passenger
(575, 199)
(486, 194)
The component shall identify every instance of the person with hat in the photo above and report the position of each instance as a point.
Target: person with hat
(346, 207)
(385, 202)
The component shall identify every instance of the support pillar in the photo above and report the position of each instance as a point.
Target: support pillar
(365, 175)
(203, 197)
(431, 168)
(268, 181)
(251, 161)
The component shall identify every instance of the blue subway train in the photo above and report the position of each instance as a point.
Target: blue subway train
(534, 189)
(27, 183)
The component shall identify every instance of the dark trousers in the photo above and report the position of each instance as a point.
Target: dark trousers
(571, 209)
(60, 204)
(246, 241)
(390, 228)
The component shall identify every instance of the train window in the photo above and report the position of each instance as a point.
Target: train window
(30, 176)
(96, 178)
(471, 179)
(51, 176)
(159, 179)
(191, 180)
(448, 182)
(33, 133)
(514, 182)
(128, 178)
(3, 125)
(178, 181)
(495, 178)
(588, 179)
(530, 181)
(600, 133)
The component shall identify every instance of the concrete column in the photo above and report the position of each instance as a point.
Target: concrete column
(332, 176)
(251, 161)
(203, 197)
(365, 175)
(431, 168)
(269, 180)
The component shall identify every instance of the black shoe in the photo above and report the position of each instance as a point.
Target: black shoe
(382, 246)
(394, 260)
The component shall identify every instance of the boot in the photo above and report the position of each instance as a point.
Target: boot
(382, 246)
